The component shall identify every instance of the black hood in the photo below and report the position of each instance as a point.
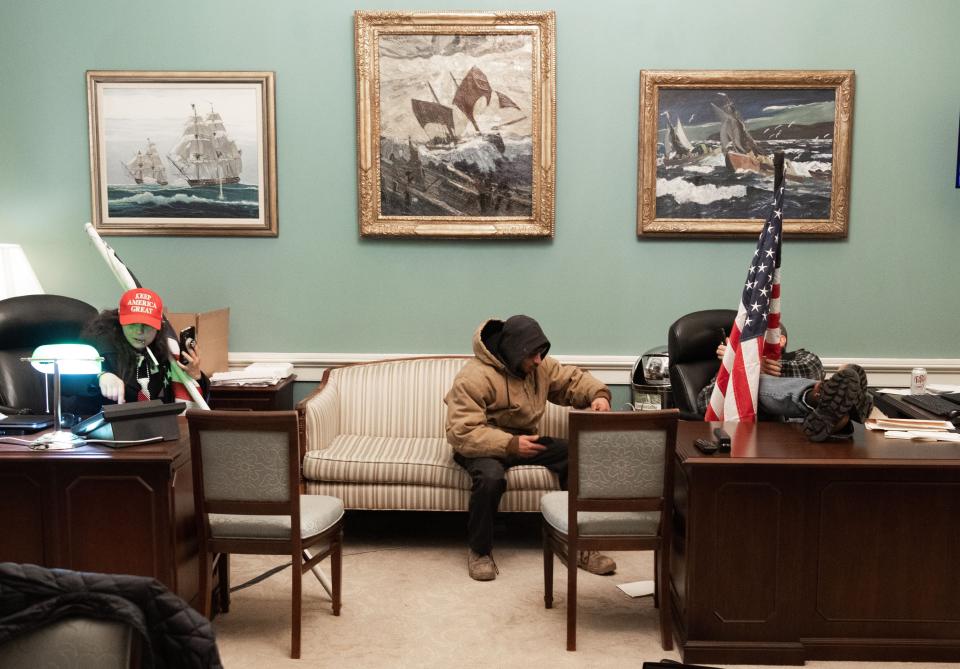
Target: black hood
(514, 340)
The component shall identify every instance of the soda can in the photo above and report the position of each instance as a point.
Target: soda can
(918, 381)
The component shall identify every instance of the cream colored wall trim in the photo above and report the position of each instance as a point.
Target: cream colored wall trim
(615, 369)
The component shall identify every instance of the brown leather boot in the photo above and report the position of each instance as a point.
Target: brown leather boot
(481, 567)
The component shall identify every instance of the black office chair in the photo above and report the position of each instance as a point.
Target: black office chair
(692, 347)
(26, 322)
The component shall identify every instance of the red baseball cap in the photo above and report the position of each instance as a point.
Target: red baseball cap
(141, 305)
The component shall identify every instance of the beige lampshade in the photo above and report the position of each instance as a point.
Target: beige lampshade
(16, 275)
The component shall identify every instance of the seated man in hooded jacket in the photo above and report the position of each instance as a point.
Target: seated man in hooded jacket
(493, 409)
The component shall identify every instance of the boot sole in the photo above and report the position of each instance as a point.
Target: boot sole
(838, 395)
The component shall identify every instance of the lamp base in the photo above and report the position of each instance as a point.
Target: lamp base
(61, 440)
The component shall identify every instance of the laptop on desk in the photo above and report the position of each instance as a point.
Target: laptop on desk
(942, 406)
(24, 424)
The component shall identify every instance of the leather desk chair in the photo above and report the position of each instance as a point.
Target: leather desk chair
(26, 322)
(692, 346)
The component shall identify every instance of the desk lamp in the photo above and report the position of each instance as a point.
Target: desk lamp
(60, 359)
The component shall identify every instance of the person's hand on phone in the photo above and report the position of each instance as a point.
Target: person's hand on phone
(528, 446)
(112, 387)
(192, 365)
(721, 350)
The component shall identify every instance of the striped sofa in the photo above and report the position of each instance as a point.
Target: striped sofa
(372, 434)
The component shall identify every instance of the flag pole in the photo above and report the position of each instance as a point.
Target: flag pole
(128, 281)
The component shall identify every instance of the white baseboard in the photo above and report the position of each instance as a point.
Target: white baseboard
(615, 369)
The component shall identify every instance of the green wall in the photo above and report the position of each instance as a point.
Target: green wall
(886, 291)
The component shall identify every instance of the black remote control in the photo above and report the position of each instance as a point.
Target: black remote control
(723, 439)
(706, 447)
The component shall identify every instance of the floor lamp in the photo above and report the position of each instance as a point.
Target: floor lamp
(60, 359)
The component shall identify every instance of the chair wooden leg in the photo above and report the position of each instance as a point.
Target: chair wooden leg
(296, 597)
(547, 570)
(336, 569)
(656, 578)
(571, 598)
(223, 576)
(662, 581)
(206, 582)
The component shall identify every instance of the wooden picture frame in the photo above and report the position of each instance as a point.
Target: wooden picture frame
(706, 145)
(183, 153)
(455, 124)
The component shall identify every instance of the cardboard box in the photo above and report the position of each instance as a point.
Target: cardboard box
(213, 331)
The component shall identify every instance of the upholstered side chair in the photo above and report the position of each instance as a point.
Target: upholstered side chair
(620, 498)
(246, 474)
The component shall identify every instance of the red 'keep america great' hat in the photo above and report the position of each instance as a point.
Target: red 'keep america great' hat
(141, 305)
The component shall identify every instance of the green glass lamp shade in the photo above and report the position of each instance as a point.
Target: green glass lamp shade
(70, 358)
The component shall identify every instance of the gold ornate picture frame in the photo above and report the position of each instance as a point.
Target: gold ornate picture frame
(706, 144)
(455, 124)
(183, 153)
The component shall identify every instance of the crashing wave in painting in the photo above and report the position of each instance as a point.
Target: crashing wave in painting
(137, 201)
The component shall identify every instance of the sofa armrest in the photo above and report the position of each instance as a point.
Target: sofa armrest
(320, 416)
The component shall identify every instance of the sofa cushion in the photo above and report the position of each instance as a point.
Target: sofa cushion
(353, 458)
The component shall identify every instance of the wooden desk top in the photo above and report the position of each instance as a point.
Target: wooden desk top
(780, 443)
(171, 451)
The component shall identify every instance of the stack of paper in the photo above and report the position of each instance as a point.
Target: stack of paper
(258, 373)
(914, 428)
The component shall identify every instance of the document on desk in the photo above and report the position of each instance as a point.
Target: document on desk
(920, 435)
(909, 424)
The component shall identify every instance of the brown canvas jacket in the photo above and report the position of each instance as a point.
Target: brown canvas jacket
(487, 407)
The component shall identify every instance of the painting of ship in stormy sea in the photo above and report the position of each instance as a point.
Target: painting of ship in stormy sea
(181, 158)
(457, 130)
(713, 148)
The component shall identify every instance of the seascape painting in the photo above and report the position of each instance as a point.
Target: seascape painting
(180, 157)
(455, 119)
(455, 126)
(708, 140)
(715, 152)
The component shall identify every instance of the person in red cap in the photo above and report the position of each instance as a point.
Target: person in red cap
(136, 361)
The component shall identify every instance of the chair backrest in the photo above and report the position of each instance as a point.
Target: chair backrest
(245, 462)
(26, 322)
(404, 397)
(621, 461)
(692, 347)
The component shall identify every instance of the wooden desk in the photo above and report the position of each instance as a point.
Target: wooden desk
(124, 511)
(786, 550)
(276, 397)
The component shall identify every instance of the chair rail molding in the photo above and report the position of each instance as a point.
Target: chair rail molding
(611, 369)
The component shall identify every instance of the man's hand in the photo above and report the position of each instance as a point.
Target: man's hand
(527, 445)
(112, 388)
(600, 404)
(770, 367)
(721, 350)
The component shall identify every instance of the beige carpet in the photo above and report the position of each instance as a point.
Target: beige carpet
(408, 602)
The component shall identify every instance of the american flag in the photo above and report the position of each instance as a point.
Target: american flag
(756, 329)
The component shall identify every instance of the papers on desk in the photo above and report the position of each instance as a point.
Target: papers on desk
(940, 388)
(256, 374)
(914, 428)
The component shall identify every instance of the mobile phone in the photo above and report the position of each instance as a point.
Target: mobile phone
(723, 439)
(706, 447)
(188, 341)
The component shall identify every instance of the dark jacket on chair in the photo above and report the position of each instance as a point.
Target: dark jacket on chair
(171, 633)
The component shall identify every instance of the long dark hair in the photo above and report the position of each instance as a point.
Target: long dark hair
(106, 335)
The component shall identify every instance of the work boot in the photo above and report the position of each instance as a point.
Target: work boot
(596, 562)
(592, 561)
(835, 400)
(481, 567)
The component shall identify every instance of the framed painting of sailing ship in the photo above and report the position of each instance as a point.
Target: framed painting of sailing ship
(707, 140)
(183, 153)
(455, 124)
